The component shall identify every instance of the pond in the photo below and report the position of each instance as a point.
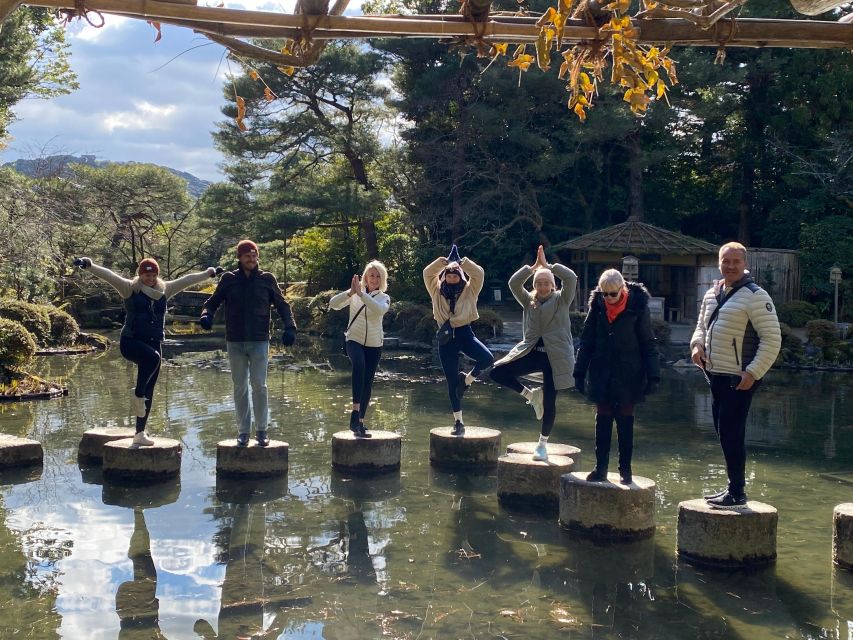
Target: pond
(417, 554)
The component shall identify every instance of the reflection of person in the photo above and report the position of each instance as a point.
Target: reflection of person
(454, 284)
(248, 294)
(736, 341)
(617, 351)
(137, 605)
(367, 302)
(142, 335)
(546, 345)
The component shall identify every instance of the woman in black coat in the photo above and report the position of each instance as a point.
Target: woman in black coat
(617, 365)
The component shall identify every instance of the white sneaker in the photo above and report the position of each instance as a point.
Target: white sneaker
(535, 401)
(137, 405)
(141, 439)
(540, 454)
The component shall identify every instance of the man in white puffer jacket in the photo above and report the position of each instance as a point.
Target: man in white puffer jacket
(736, 341)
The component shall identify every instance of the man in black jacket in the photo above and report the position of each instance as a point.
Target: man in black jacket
(248, 293)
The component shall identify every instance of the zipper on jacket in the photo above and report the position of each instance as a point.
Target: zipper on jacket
(734, 346)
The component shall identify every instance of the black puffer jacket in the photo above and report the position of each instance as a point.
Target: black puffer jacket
(618, 358)
(247, 305)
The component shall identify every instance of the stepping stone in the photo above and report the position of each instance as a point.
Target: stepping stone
(124, 460)
(134, 495)
(253, 460)
(242, 490)
(19, 452)
(553, 448)
(523, 482)
(378, 454)
(608, 510)
(91, 447)
(726, 538)
(842, 535)
(479, 448)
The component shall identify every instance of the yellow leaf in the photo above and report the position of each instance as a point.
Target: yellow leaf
(241, 113)
(580, 112)
(661, 89)
(543, 51)
(547, 17)
(500, 47)
(289, 71)
(522, 61)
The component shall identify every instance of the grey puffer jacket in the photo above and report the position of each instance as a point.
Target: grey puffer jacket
(548, 320)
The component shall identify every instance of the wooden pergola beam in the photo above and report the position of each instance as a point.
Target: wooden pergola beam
(6, 9)
(745, 32)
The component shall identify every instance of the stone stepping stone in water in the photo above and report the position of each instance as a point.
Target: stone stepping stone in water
(726, 538)
(253, 460)
(19, 452)
(553, 448)
(608, 510)
(479, 448)
(124, 460)
(91, 447)
(523, 482)
(377, 454)
(842, 536)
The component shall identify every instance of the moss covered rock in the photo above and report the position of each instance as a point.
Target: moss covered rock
(17, 345)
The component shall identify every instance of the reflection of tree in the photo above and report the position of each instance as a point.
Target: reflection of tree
(137, 605)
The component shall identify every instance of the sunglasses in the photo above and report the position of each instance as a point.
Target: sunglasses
(611, 294)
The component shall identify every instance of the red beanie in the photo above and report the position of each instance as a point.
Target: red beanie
(245, 246)
(149, 265)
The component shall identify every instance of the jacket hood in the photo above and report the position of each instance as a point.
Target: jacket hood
(638, 297)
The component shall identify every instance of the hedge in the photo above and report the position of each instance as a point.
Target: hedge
(64, 329)
(17, 346)
(34, 318)
(797, 313)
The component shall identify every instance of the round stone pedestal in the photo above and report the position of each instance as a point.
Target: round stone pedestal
(19, 452)
(608, 510)
(122, 459)
(723, 538)
(378, 454)
(91, 447)
(251, 461)
(842, 535)
(479, 448)
(522, 482)
(133, 495)
(247, 490)
(553, 449)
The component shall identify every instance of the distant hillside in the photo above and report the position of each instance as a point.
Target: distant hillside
(55, 165)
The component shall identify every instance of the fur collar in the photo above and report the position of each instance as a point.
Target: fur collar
(638, 297)
(156, 292)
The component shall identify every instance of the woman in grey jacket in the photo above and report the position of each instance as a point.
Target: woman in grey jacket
(368, 303)
(546, 344)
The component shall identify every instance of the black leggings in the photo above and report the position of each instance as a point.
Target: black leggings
(364, 362)
(508, 374)
(146, 354)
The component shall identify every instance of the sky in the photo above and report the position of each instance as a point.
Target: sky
(137, 101)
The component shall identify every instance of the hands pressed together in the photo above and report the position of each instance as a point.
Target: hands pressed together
(541, 262)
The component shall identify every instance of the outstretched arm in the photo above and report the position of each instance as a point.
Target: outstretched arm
(122, 285)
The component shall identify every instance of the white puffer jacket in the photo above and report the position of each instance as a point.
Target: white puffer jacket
(367, 328)
(744, 336)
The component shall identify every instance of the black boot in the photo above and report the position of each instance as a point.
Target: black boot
(603, 434)
(625, 433)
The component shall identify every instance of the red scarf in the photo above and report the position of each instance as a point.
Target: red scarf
(613, 310)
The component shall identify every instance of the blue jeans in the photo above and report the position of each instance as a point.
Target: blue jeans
(249, 365)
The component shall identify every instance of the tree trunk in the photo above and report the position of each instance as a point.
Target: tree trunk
(371, 244)
(635, 175)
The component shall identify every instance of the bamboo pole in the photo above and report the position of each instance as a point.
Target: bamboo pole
(6, 9)
(746, 32)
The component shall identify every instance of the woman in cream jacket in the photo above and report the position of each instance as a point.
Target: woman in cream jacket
(368, 303)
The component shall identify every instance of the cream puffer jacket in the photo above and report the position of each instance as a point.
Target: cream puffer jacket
(466, 305)
(744, 336)
(367, 328)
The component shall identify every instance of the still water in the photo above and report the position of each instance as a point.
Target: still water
(417, 554)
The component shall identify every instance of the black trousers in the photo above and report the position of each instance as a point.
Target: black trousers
(364, 360)
(730, 408)
(146, 355)
(508, 374)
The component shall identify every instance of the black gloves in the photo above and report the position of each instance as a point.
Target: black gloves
(580, 384)
(651, 386)
(83, 263)
(289, 336)
(219, 270)
(206, 322)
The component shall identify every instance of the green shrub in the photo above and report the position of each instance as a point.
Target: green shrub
(821, 330)
(301, 312)
(797, 313)
(410, 320)
(63, 327)
(32, 316)
(577, 319)
(17, 346)
(488, 326)
(789, 340)
(661, 330)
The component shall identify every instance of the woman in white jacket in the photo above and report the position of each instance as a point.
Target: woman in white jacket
(368, 303)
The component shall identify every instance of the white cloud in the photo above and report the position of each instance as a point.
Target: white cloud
(146, 116)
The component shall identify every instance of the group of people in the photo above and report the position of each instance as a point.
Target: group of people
(616, 365)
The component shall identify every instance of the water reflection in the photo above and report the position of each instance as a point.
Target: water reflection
(137, 605)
